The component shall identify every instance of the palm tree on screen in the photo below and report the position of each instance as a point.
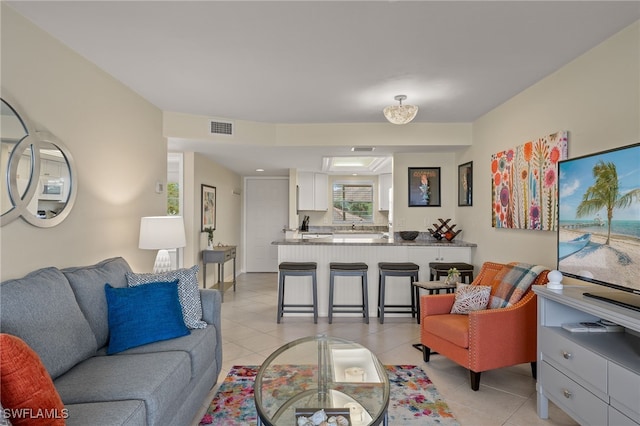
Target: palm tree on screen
(605, 192)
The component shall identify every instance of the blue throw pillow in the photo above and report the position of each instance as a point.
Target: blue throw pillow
(144, 314)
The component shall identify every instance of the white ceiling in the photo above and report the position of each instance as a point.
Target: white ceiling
(326, 61)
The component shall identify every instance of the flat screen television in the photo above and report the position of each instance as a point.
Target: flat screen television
(599, 223)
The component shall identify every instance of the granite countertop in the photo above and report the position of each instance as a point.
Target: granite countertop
(356, 241)
(370, 229)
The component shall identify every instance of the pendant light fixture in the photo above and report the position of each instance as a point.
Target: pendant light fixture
(400, 114)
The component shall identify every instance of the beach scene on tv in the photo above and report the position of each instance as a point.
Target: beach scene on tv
(599, 217)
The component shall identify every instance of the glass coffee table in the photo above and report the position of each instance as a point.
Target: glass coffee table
(315, 373)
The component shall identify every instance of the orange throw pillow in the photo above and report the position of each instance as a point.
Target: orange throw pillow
(26, 389)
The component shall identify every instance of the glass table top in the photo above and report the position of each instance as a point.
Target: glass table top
(322, 373)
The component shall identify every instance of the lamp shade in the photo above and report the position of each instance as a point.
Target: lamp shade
(162, 232)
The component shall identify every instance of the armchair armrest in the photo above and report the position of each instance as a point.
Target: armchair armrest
(436, 304)
(504, 336)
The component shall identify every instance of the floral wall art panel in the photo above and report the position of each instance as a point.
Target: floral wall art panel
(524, 184)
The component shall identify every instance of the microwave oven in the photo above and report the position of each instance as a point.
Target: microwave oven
(51, 189)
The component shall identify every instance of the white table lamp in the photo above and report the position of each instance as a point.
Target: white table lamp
(162, 233)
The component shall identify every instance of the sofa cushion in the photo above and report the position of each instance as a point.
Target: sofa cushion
(187, 290)
(201, 346)
(158, 379)
(470, 298)
(131, 412)
(144, 314)
(512, 282)
(88, 283)
(26, 384)
(41, 309)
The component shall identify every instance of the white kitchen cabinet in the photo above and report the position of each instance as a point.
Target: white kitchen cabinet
(385, 182)
(423, 255)
(50, 168)
(593, 377)
(313, 191)
(321, 191)
(446, 254)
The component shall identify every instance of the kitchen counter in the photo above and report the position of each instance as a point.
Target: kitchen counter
(342, 248)
(344, 239)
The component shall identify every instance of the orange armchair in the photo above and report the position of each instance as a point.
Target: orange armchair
(482, 340)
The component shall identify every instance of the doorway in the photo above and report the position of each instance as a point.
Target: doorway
(267, 213)
(175, 199)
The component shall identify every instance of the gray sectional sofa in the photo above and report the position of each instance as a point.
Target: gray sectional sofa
(63, 316)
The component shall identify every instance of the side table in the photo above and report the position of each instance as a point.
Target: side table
(432, 287)
(219, 255)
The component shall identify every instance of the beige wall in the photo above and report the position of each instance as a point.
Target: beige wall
(185, 126)
(114, 136)
(407, 218)
(596, 98)
(228, 211)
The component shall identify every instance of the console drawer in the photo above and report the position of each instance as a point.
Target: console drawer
(572, 397)
(580, 363)
(624, 389)
(616, 418)
(229, 254)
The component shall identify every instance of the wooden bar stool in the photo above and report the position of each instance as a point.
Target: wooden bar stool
(396, 269)
(357, 269)
(297, 269)
(441, 269)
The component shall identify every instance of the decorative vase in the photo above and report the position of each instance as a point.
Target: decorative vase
(452, 279)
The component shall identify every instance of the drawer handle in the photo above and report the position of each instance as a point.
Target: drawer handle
(567, 393)
(567, 355)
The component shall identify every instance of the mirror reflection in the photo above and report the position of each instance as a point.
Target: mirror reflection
(12, 131)
(38, 173)
(52, 184)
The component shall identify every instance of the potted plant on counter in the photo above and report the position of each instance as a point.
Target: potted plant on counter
(209, 232)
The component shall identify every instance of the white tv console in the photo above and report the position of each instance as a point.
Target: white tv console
(593, 377)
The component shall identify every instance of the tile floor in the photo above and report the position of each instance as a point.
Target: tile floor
(250, 334)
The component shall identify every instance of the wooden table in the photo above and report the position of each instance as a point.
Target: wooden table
(219, 255)
(433, 287)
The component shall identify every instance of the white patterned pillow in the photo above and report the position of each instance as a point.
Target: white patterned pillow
(188, 291)
(471, 298)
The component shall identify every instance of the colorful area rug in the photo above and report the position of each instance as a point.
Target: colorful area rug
(414, 399)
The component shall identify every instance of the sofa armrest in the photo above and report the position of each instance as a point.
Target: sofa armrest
(211, 301)
(436, 304)
(211, 305)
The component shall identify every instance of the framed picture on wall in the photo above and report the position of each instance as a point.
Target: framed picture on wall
(465, 181)
(208, 204)
(424, 186)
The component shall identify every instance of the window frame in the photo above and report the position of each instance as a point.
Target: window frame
(364, 183)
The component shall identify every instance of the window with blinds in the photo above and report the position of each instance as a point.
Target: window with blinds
(352, 202)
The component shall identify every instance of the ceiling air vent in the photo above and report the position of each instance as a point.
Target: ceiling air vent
(362, 149)
(220, 127)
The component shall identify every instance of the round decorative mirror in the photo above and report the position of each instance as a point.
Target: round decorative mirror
(38, 172)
